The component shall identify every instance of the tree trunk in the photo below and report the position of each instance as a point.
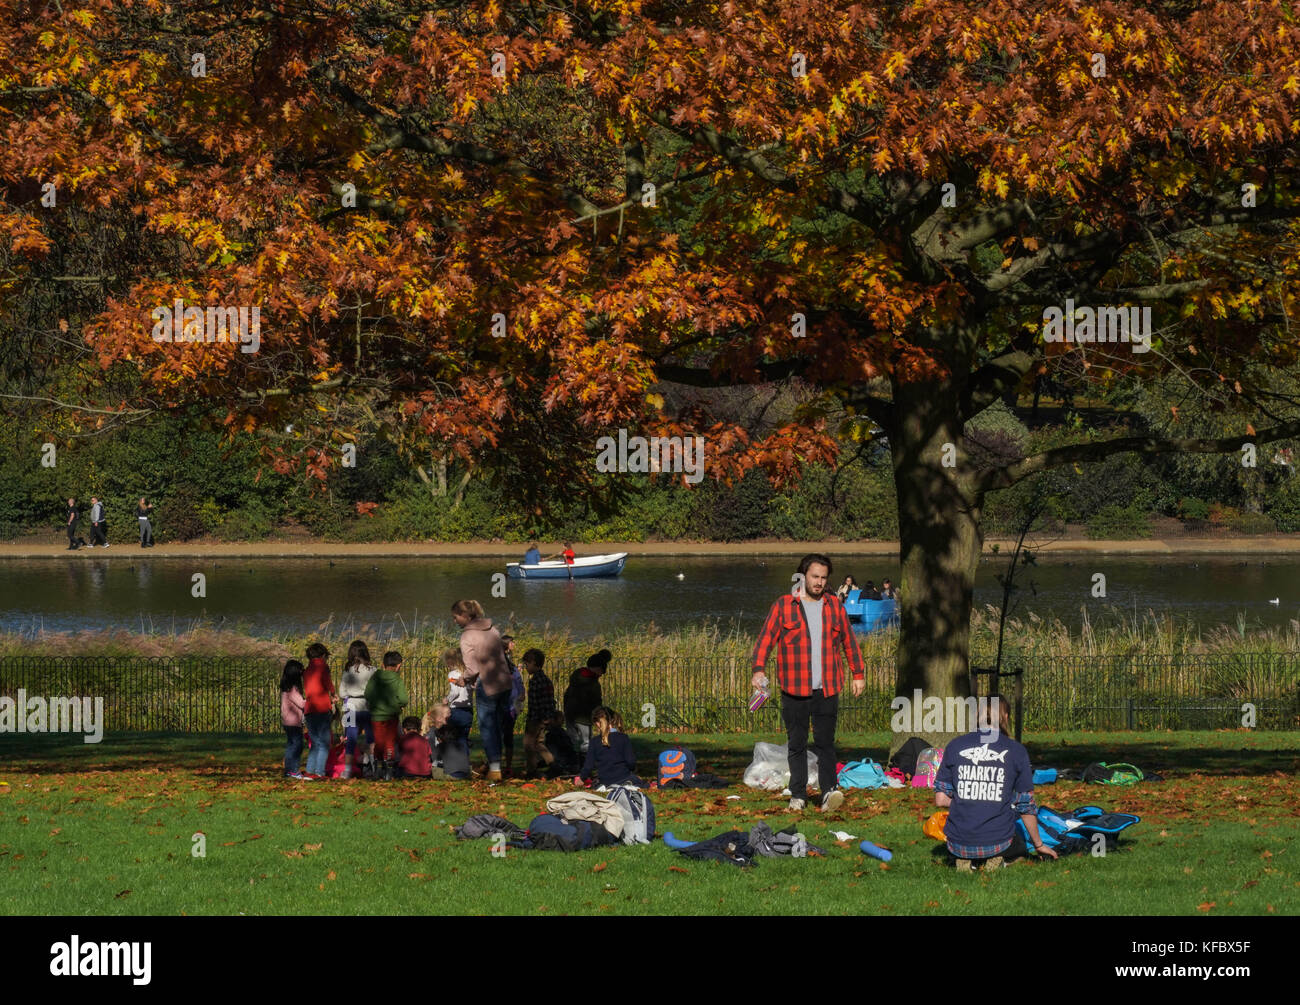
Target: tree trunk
(940, 542)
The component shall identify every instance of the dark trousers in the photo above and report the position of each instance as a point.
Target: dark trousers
(146, 532)
(821, 713)
(97, 535)
(508, 734)
(72, 535)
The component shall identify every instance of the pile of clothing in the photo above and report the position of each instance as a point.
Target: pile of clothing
(743, 849)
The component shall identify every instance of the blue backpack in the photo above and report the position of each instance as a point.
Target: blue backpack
(861, 775)
(676, 764)
(1072, 833)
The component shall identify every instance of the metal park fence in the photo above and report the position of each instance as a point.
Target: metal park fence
(1131, 692)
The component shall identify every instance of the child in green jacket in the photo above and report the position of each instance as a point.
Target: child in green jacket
(386, 696)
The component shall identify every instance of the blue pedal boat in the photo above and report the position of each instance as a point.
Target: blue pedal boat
(589, 567)
(875, 615)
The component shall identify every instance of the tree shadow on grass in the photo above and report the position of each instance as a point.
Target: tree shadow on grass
(1228, 754)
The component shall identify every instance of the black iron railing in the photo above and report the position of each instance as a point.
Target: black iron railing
(1136, 691)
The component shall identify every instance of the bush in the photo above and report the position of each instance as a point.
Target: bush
(320, 514)
(734, 512)
(1193, 509)
(1252, 523)
(1119, 523)
(1283, 505)
(252, 522)
(179, 517)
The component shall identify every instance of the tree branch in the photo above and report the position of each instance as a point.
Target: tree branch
(1000, 478)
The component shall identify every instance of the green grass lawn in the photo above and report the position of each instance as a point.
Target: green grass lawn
(106, 829)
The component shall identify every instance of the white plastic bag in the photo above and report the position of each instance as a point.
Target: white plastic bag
(770, 768)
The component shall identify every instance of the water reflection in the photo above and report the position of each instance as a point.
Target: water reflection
(271, 596)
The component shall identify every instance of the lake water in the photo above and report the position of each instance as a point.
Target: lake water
(269, 596)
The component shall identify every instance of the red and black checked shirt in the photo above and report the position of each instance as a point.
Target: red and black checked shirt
(786, 631)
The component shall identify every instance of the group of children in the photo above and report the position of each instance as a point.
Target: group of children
(379, 742)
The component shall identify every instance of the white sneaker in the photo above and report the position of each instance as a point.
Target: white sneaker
(832, 801)
(797, 805)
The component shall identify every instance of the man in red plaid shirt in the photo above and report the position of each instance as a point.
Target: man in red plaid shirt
(807, 630)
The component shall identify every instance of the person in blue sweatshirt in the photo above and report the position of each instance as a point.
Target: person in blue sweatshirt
(610, 753)
(985, 782)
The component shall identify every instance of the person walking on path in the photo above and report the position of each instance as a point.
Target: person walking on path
(74, 517)
(807, 629)
(142, 512)
(97, 533)
(485, 663)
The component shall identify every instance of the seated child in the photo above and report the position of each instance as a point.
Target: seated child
(445, 739)
(564, 756)
(414, 758)
(453, 752)
(610, 753)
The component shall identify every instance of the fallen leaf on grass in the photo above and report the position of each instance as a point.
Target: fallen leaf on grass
(293, 854)
(1205, 905)
(678, 868)
(312, 847)
(331, 875)
(600, 867)
(124, 893)
(417, 875)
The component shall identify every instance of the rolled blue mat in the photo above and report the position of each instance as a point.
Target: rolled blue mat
(875, 851)
(676, 842)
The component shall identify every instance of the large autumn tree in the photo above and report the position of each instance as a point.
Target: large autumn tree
(876, 200)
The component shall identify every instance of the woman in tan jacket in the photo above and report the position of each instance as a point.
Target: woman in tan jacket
(485, 664)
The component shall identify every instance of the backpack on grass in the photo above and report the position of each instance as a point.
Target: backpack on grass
(1077, 831)
(906, 756)
(861, 775)
(638, 813)
(927, 767)
(676, 764)
(1112, 774)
